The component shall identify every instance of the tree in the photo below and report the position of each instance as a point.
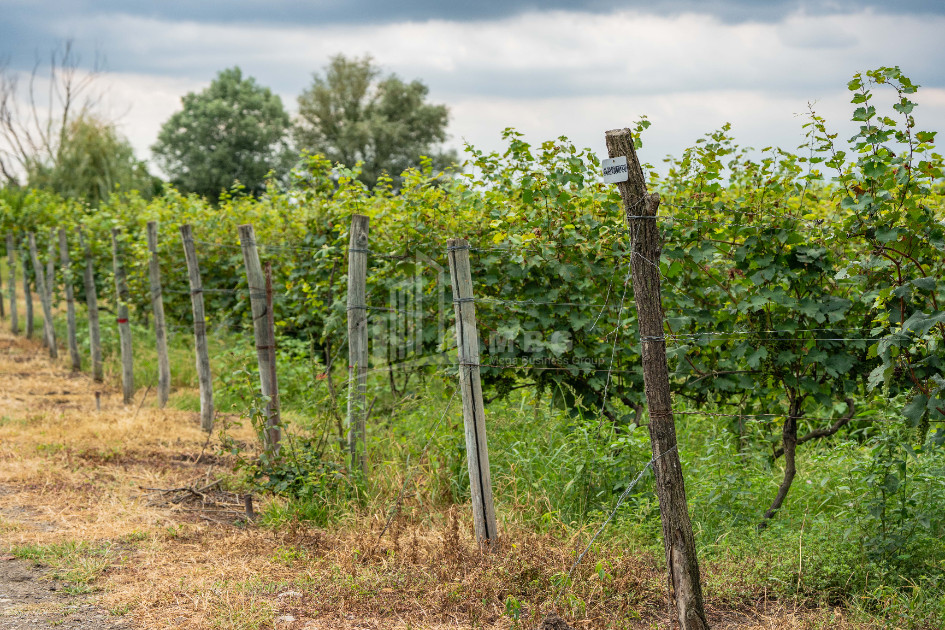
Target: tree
(35, 122)
(235, 130)
(93, 161)
(53, 137)
(352, 114)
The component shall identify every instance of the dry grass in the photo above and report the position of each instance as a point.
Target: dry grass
(80, 479)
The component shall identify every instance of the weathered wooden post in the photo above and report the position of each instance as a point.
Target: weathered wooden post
(201, 351)
(157, 305)
(122, 297)
(646, 244)
(260, 310)
(11, 257)
(41, 288)
(3, 307)
(357, 340)
(66, 262)
(49, 333)
(51, 268)
(28, 293)
(271, 342)
(474, 419)
(91, 302)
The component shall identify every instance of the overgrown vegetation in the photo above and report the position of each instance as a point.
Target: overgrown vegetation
(804, 322)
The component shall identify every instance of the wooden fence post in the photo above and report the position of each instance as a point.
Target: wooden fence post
(66, 262)
(49, 333)
(11, 257)
(261, 314)
(201, 351)
(51, 268)
(646, 244)
(160, 329)
(122, 297)
(27, 292)
(474, 419)
(357, 340)
(260, 310)
(91, 302)
(276, 429)
(40, 286)
(3, 307)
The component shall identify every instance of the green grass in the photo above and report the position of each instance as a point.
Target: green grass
(553, 471)
(78, 564)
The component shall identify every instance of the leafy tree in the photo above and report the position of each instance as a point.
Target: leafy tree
(352, 114)
(235, 130)
(42, 120)
(93, 160)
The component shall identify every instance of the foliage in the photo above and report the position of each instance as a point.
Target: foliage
(888, 190)
(352, 114)
(36, 122)
(904, 485)
(233, 131)
(300, 469)
(802, 315)
(93, 161)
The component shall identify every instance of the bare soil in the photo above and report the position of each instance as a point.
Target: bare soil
(30, 599)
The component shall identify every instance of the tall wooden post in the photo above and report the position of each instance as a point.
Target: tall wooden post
(28, 293)
(474, 419)
(357, 340)
(66, 261)
(49, 333)
(275, 430)
(201, 351)
(91, 302)
(678, 540)
(257, 299)
(157, 305)
(3, 306)
(51, 268)
(11, 258)
(41, 286)
(122, 297)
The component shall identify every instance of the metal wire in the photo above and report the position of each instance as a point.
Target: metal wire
(610, 517)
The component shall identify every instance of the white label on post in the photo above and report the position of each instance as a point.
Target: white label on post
(615, 169)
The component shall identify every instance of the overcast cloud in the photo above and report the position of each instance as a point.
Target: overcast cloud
(562, 69)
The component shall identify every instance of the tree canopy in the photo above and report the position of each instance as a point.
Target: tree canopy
(93, 160)
(55, 136)
(235, 130)
(352, 114)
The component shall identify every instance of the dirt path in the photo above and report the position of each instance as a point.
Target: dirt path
(65, 511)
(30, 597)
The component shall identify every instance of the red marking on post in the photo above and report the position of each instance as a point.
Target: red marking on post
(122, 321)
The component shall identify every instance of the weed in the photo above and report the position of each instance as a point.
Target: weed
(288, 556)
(50, 448)
(78, 563)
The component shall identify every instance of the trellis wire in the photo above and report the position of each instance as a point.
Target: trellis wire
(610, 517)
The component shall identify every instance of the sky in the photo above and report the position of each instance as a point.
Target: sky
(547, 68)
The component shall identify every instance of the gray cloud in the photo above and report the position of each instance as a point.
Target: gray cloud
(374, 12)
(28, 24)
(689, 65)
